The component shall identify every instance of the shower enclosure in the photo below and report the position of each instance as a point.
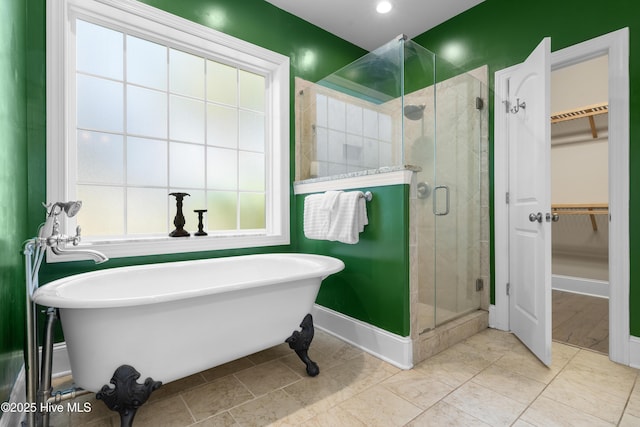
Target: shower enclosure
(400, 106)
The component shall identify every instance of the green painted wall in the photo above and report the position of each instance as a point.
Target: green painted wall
(502, 33)
(374, 286)
(313, 52)
(13, 187)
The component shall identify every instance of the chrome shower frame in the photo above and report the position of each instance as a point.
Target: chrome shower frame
(39, 393)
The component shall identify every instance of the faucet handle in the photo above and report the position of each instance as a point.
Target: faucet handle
(77, 237)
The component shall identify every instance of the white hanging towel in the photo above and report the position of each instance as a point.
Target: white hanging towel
(317, 214)
(348, 218)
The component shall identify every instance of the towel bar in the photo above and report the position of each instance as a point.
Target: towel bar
(367, 196)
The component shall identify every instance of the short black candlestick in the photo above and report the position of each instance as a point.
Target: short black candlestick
(179, 221)
(201, 231)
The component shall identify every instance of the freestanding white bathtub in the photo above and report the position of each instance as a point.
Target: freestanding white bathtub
(174, 319)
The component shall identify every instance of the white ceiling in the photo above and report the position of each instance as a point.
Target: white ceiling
(358, 22)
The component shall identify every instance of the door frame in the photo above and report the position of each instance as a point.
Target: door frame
(616, 46)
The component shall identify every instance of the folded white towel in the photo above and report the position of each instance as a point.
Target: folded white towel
(317, 214)
(348, 218)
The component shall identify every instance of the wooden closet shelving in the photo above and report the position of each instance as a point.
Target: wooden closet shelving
(591, 209)
(579, 113)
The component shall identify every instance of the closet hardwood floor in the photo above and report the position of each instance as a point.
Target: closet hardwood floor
(581, 320)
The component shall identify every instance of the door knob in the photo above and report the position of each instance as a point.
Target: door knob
(552, 217)
(533, 217)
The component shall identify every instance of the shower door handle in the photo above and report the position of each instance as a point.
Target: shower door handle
(435, 200)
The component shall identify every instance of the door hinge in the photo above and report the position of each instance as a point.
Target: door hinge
(479, 284)
(506, 197)
(508, 288)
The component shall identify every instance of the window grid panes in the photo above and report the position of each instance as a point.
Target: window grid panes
(151, 120)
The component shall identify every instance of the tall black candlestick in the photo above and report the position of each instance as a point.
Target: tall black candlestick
(179, 220)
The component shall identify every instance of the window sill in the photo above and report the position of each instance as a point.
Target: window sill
(167, 245)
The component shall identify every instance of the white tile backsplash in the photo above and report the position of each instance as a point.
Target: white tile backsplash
(350, 138)
(337, 113)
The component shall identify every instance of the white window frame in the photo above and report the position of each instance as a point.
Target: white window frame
(154, 24)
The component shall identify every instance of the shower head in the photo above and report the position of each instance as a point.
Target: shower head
(414, 112)
(71, 208)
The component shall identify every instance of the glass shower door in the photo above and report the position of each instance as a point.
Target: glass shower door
(456, 198)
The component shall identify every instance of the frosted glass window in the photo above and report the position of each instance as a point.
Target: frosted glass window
(146, 162)
(251, 171)
(100, 158)
(102, 210)
(186, 119)
(251, 129)
(252, 213)
(186, 165)
(222, 83)
(147, 211)
(99, 50)
(100, 104)
(146, 112)
(222, 210)
(251, 88)
(222, 126)
(386, 158)
(186, 73)
(222, 169)
(146, 63)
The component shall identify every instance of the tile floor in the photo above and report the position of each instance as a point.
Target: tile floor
(489, 379)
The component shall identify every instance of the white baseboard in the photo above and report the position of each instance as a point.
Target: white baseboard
(579, 285)
(389, 347)
(634, 352)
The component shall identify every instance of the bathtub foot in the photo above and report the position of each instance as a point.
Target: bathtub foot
(127, 395)
(300, 342)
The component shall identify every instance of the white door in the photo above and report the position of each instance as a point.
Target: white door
(528, 121)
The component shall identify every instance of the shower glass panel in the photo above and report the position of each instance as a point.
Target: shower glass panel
(396, 107)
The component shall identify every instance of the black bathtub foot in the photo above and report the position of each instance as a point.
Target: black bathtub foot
(300, 342)
(127, 395)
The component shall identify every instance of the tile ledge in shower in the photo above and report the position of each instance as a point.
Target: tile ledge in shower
(391, 175)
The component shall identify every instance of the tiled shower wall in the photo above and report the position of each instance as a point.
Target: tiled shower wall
(338, 134)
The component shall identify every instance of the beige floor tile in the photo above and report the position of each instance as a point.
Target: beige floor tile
(443, 414)
(455, 365)
(590, 399)
(493, 343)
(485, 404)
(223, 419)
(510, 384)
(270, 408)
(378, 406)
(216, 396)
(271, 353)
(267, 377)
(546, 412)
(177, 386)
(629, 420)
(319, 394)
(417, 388)
(170, 412)
(633, 407)
(227, 369)
(335, 416)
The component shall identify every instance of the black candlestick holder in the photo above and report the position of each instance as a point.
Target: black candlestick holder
(200, 231)
(179, 220)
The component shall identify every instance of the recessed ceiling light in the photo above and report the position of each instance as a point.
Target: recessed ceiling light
(384, 7)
